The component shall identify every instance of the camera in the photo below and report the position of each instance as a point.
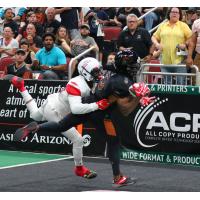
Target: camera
(181, 52)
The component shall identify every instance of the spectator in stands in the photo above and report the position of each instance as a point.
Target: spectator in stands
(96, 18)
(24, 12)
(190, 16)
(51, 59)
(194, 44)
(19, 68)
(40, 14)
(153, 18)
(170, 34)
(111, 12)
(63, 41)
(9, 22)
(109, 69)
(83, 41)
(122, 14)
(19, 14)
(34, 40)
(136, 38)
(71, 18)
(51, 24)
(31, 19)
(30, 55)
(8, 45)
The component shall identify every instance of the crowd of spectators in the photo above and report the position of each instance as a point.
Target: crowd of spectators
(43, 40)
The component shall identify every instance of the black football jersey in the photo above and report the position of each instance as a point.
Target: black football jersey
(117, 85)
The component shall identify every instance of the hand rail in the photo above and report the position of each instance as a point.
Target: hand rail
(75, 58)
(143, 72)
(141, 17)
(154, 28)
(163, 65)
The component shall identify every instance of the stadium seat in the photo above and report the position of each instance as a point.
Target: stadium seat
(153, 78)
(2, 74)
(28, 75)
(4, 62)
(111, 33)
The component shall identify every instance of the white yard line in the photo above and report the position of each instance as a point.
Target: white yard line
(34, 152)
(34, 163)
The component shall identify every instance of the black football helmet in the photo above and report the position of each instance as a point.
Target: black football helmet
(127, 62)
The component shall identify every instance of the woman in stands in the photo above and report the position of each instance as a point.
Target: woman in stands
(63, 41)
(30, 55)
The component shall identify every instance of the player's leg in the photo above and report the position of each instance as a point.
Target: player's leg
(113, 150)
(30, 102)
(77, 150)
(71, 133)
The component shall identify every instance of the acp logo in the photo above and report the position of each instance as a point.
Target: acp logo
(86, 140)
(140, 116)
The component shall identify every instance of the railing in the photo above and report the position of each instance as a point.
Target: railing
(77, 57)
(158, 77)
(145, 14)
(153, 29)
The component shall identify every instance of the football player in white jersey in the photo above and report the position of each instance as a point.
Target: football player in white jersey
(58, 105)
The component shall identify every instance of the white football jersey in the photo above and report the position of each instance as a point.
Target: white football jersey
(70, 99)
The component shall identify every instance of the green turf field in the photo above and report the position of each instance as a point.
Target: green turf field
(15, 158)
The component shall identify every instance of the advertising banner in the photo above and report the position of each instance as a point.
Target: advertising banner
(171, 125)
(167, 130)
(14, 114)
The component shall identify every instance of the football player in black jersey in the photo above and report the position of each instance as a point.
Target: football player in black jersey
(122, 92)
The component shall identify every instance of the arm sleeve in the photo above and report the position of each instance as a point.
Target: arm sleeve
(120, 41)
(61, 58)
(157, 33)
(147, 38)
(187, 31)
(37, 55)
(15, 44)
(75, 101)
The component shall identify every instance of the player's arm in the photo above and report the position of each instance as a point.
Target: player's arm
(128, 104)
(76, 104)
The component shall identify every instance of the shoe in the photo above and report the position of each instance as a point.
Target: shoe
(21, 133)
(84, 172)
(18, 82)
(123, 181)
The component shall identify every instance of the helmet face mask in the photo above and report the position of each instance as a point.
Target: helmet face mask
(127, 62)
(96, 74)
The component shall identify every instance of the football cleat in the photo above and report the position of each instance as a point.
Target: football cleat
(84, 172)
(123, 181)
(21, 133)
(17, 82)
